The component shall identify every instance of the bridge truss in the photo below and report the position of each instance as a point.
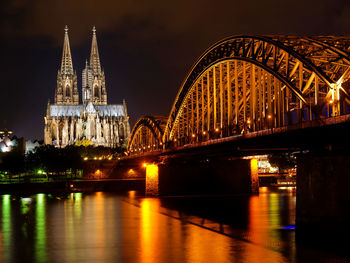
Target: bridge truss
(251, 83)
(147, 134)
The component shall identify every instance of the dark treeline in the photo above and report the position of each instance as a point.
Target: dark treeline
(283, 161)
(52, 160)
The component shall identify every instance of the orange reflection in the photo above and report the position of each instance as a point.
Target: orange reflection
(207, 246)
(152, 179)
(149, 232)
(99, 227)
(259, 230)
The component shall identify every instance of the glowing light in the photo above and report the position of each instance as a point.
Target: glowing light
(95, 158)
(175, 140)
(85, 158)
(131, 172)
(290, 227)
(100, 158)
(161, 143)
(144, 165)
(269, 116)
(331, 101)
(248, 121)
(254, 175)
(97, 172)
(152, 179)
(132, 194)
(149, 147)
(193, 135)
(204, 133)
(216, 129)
(40, 172)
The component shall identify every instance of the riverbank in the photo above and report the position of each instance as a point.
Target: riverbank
(105, 185)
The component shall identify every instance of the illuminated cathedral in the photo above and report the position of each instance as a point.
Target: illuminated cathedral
(68, 121)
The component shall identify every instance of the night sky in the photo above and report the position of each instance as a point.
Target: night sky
(146, 47)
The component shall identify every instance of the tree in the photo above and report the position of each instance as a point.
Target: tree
(282, 160)
(13, 162)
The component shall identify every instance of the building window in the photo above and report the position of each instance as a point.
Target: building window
(67, 91)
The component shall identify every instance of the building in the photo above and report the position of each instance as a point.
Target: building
(6, 143)
(9, 142)
(68, 121)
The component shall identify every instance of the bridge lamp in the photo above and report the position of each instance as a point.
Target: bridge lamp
(144, 147)
(175, 140)
(154, 145)
(248, 121)
(85, 158)
(144, 165)
(330, 101)
(193, 135)
(149, 146)
(204, 133)
(269, 116)
(161, 143)
(217, 129)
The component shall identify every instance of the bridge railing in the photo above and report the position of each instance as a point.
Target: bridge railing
(304, 125)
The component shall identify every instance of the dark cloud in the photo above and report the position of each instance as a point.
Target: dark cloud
(146, 47)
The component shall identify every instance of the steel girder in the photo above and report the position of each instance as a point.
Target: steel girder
(313, 69)
(146, 130)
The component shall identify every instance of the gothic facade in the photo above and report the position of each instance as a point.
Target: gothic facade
(69, 122)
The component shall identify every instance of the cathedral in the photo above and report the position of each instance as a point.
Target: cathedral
(93, 121)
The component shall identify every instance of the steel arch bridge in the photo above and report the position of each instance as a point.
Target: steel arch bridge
(250, 83)
(147, 134)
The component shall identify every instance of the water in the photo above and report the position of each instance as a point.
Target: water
(105, 227)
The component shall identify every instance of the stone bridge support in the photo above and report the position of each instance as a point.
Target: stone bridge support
(211, 176)
(323, 196)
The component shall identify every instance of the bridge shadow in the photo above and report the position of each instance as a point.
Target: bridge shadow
(265, 220)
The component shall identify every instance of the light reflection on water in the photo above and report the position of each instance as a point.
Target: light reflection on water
(103, 227)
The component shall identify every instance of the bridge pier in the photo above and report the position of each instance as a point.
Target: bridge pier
(323, 197)
(209, 176)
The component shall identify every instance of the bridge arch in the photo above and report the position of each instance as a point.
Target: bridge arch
(147, 134)
(258, 82)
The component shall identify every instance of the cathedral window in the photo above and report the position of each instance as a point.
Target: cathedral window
(67, 91)
(96, 91)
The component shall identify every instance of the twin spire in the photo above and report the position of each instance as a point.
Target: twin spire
(94, 56)
(67, 64)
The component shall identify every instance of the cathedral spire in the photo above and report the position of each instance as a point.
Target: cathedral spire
(94, 56)
(67, 64)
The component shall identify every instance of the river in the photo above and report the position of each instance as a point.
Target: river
(106, 227)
